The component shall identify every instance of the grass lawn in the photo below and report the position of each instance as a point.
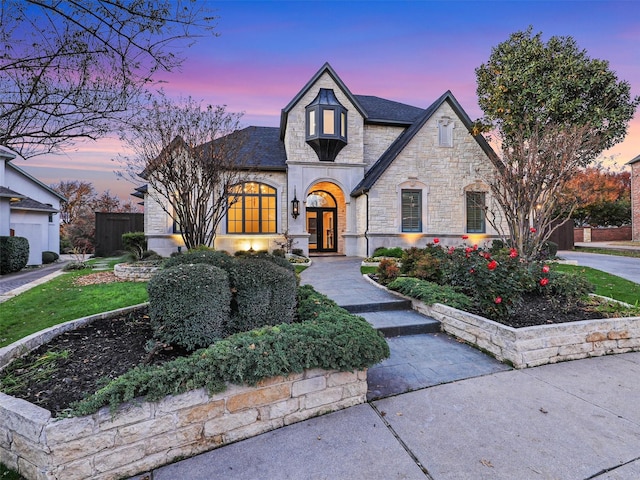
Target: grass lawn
(606, 284)
(609, 251)
(58, 301)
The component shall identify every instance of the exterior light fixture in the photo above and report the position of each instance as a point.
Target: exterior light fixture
(295, 205)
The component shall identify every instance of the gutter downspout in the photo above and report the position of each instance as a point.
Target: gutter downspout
(366, 231)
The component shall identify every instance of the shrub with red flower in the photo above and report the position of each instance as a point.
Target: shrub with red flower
(545, 269)
(492, 265)
(513, 253)
(464, 237)
(544, 281)
(498, 300)
(436, 241)
(533, 230)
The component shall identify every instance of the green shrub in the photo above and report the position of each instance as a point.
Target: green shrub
(430, 293)
(395, 252)
(298, 251)
(189, 305)
(135, 242)
(217, 258)
(14, 254)
(329, 339)
(548, 250)
(265, 294)
(49, 257)
(72, 266)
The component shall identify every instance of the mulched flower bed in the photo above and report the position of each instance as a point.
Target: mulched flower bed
(106, 349)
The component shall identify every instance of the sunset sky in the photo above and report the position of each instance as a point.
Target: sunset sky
(407, 51)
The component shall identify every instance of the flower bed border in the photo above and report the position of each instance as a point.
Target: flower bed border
(143, 435)
(538, 345)
(541, 344)
(134, 273)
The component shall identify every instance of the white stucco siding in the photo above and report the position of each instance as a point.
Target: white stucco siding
(442, 173)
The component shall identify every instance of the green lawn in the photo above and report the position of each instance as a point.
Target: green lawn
(606, 284)
(58, 301)
(609, 251)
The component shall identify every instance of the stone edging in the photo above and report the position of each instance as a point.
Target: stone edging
(141, 436)
(542, 344)
(539, 345)
(134, 273)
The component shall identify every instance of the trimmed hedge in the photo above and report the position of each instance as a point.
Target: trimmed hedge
(211, 257)
(14, 254)
(328, 337)
(430, 293)
(265, 294)
(189, 305)
(49, 257)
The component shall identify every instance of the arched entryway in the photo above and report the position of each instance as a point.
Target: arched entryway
(324, 213)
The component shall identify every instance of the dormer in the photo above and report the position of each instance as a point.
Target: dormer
(326, 128)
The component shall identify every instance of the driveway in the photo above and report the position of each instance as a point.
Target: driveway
(625, 267)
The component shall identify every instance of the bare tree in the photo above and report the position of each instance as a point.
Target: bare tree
(529, 182)
(74, 69)
(191, 157)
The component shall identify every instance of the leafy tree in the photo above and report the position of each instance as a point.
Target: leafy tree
(191, 156)
(553, 110)
(602, 196)
(79, 195)
(75, 69)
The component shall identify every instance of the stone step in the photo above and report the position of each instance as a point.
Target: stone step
(396, 323)
(378, 306)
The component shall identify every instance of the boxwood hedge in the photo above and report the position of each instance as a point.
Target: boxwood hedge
(327, 337)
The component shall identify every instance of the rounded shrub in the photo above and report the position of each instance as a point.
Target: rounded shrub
(14, 254)
(189, 305)
(265, 294)
(215, 258)
(49, 257)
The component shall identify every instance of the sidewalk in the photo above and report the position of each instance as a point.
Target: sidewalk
(575, 420)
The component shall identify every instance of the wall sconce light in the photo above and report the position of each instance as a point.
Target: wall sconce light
(295, 205)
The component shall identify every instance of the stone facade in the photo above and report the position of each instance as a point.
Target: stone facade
(141, 436)
(367, 217)
(539, 345)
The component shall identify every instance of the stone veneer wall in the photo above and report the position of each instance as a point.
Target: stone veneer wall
(539, 345)
(134, 273)
(142, 435)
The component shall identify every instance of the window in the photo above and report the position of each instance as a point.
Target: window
(51, 218)
(445, 132)
(475, 212)
(252, 208)
(326, 125)
(411, 210)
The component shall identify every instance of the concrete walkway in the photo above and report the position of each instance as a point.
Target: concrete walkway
(577, 420)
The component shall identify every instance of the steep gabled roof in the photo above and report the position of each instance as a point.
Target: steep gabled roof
(387, 158)
(387, 112)
(262, 149)
(328, 69)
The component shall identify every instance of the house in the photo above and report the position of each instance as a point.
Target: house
(348, 173)
(635, 198)
(28, 208)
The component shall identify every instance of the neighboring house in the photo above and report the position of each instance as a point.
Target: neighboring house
(28, 208)
(348, 173)
(635, 198)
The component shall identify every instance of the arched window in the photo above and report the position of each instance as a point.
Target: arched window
(252, 208)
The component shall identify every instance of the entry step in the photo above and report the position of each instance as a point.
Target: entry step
(396, 323)
(378, 306)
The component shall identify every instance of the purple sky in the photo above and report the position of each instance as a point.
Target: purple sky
(407, 51)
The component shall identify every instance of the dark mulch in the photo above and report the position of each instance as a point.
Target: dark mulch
(536, 310)
(106, 349)
(98, 352)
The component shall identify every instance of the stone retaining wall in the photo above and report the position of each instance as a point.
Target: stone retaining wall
(538, 345)
(134, 273)
(142, 435)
